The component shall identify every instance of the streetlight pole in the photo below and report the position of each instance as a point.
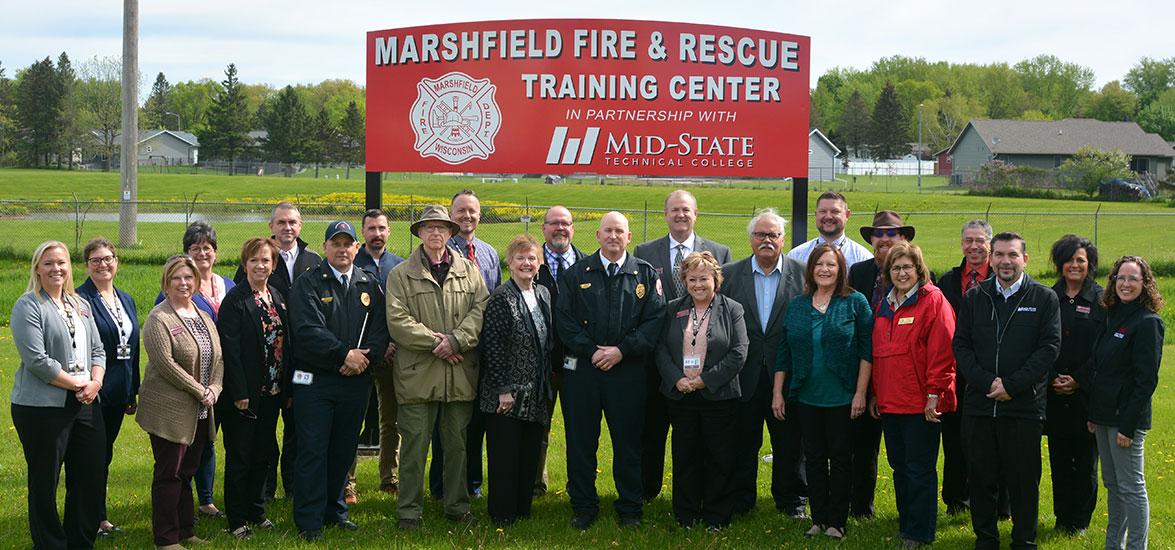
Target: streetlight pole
(919, 155)
(179, 123)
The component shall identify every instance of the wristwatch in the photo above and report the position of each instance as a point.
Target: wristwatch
(934, 395)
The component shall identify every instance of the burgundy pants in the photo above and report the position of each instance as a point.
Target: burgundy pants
(172, 508)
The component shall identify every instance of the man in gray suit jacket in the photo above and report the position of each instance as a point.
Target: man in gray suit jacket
(666, 255)
(764, 283)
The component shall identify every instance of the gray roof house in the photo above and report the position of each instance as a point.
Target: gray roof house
(1048, 143)
(822, 162)
(169, 147)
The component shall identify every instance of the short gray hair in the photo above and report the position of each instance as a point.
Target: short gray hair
(766, 213)
(284, 205)
(980, 224)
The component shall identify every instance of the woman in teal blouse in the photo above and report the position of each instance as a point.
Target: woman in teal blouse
(826, 355)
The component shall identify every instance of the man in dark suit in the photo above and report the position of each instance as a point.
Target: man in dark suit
(865, 277)
(293, 259)
(559, 254)
(764, 283)
(666, 255)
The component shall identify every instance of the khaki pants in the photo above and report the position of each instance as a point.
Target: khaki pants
(389, 435)
(416, 422)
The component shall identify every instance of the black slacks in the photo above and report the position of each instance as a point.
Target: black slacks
(619, 396)
(1073, 465)
(827, 461)
(329, 414)
(1007, 449)
(703, 460)
(112, 417)
(51, 436)
(286, 456)
(788, 486)
(512, 449)
(249, 439)
(653, 436)
(866, 444)
(954, 461)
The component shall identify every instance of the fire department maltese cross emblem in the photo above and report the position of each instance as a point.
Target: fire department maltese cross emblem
(455, 118)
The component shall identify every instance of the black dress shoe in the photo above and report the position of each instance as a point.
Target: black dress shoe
(311, 535)
(582, 521)
(956, 508)
(629, 521)
(408, 524)
(347, 525)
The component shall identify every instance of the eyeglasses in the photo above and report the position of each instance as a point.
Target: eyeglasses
(763, 236)
(433, 228)
(885, 232)
(901, 268)
(201, 249)
(104, 260)
(558, 224)
(1127, 278)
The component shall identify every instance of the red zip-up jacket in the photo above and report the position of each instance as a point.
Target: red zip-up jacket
(912, 355)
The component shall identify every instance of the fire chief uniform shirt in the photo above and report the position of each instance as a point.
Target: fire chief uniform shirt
(594, 309)
(327, 321)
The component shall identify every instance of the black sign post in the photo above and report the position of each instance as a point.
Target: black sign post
(799, 211)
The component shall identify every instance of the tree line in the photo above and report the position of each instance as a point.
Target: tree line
(874, 112)
(52, 114)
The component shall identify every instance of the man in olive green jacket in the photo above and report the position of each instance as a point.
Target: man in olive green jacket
(435, 301)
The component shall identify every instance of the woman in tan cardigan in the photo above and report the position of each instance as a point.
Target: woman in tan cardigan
(179, 388)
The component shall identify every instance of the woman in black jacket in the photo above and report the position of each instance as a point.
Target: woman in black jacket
(516, 391)
(1125, 372)
(1072, 450)
(253, 325)
(702, 349)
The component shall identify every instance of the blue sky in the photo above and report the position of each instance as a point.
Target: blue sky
(300, 41)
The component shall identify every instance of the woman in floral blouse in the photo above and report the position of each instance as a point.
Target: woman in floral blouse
(253, 327)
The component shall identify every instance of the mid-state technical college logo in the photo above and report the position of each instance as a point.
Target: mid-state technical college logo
(455, 118)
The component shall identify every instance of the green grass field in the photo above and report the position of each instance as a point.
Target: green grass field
(129, 497)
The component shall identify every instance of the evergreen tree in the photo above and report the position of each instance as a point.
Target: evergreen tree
(74, 130)
(7, 123)
(888, 137)
(227, 134)
(854, 125)
(288, 127)
(324, 146)
(352, 137)
(158, 105)
(38, 112)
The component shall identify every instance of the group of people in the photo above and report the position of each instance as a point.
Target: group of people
(832, 346)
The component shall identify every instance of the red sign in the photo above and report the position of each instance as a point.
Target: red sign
(588, 96)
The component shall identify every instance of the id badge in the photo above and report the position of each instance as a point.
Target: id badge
(123, 352)
(303, 378)
(569, 362)
(692, 365)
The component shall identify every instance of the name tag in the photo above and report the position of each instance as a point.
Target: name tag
(569, 362)
(328, 299)
(1084, 310)
(123, 352)
(177, 330)
(692, 362)
(1028, 309)
(906, 321)
(303, 378)
(1119, 335)
(585, 285)
(682, 313)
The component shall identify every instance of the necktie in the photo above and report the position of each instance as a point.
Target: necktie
(612, 268)
(677, 269)
(878, 290)
(558, 268)
(472, 255)
(971, 281)
(344, 278)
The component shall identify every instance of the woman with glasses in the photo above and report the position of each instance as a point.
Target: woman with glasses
(200, 245)
(253, 324)
(62, 365)
(117, 320)
(1125, 372)
(826, 353)
(913, 385)
(180, 386)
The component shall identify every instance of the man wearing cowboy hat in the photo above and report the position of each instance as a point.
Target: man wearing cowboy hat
(435, 303)
(886, 230)
(337, 319)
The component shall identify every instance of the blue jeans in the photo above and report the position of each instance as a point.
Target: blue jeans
(1126, 501)
(911, 444)
(206, 474)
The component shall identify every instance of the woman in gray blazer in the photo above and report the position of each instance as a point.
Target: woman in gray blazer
(702, 349)
(62, 363)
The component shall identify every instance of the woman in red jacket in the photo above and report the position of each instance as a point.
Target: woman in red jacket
(913, 384)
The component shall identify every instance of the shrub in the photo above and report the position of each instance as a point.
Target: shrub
(1090, 167)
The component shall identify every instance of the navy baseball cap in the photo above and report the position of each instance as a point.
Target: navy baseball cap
(340, 227)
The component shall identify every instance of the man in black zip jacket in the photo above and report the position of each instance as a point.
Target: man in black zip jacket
(1007, 338)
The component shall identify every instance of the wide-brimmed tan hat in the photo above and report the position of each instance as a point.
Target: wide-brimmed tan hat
(887, 219)
(434, 213)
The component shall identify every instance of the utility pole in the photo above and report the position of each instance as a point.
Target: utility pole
(919, 155)
(128, 208)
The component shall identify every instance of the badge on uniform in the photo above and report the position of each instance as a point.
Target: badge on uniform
(365, 299)
(640, 291)
(906, 321)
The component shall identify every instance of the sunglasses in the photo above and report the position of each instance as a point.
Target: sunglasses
(885, 232)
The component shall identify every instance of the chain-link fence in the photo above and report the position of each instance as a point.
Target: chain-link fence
(25, 224)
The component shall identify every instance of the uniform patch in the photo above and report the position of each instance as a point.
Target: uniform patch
(640, 291)
(365, 299)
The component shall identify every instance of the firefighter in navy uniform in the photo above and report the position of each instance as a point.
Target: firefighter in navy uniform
(338, 319)
(609, 314)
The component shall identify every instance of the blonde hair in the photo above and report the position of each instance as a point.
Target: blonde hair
(174, 264)
(702, 261)
(35, 286)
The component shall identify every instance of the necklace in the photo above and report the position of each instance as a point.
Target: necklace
(821, 307)
(65, 310)
(696, 322)
(116, 312)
